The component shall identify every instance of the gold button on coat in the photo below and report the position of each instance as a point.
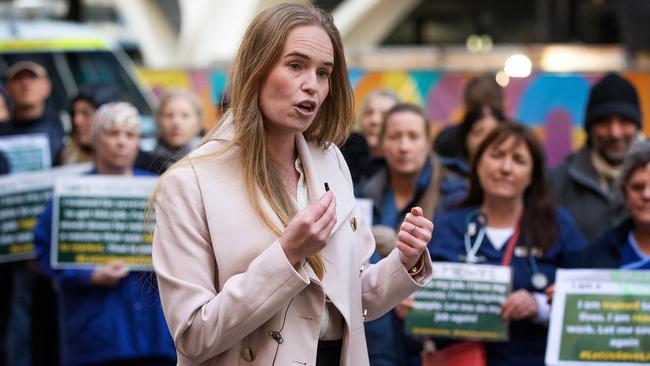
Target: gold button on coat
(248, 354)
(353, 223)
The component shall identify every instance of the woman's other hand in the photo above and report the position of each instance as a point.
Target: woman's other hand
(308, 231)
(109, 275)
(519, 305)
(413, 237)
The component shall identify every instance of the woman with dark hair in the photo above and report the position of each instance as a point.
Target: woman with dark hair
(509, 218)
(476, 125)
(82, 110)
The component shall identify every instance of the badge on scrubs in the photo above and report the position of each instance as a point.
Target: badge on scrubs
(539, 281)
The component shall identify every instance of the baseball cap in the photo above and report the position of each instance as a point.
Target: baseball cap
(19, 66)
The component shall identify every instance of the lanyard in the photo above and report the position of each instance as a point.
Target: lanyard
(510, 248)
(537, 279)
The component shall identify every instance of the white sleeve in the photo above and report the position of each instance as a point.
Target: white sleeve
(543, 309)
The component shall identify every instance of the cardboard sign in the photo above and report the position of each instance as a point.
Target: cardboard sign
(462, 301)
(26, 153)
(98, 219)
(22, 198)
(600, 317)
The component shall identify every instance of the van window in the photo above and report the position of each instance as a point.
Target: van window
(103, 67)
(84, 67)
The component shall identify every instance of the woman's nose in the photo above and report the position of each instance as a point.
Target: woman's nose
(506, 165)
(309, 83)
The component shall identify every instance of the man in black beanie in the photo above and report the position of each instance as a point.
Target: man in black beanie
(585, 182)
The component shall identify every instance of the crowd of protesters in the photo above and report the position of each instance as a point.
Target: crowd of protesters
(486, 168)
(105, 315)
(491, 170)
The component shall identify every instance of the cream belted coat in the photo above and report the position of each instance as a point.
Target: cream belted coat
(230, 295)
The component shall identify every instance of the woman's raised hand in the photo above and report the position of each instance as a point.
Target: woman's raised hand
(308, 231)
(413, 237)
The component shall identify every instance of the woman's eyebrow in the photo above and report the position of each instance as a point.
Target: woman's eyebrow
(303, 56)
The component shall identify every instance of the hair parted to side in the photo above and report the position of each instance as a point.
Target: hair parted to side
(259, 51)
(539, 222)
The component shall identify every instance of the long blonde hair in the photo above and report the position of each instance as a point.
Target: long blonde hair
(260, 49)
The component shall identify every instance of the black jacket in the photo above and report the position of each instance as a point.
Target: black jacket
(576, 187)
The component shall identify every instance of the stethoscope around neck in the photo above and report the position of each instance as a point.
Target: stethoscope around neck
(477, 220)
(471, 220)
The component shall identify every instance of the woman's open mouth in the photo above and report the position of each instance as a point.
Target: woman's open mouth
(306, 107)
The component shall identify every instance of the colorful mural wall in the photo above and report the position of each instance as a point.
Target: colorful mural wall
(552, 104)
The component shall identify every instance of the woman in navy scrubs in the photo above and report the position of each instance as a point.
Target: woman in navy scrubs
(627, 246)
(509, 218)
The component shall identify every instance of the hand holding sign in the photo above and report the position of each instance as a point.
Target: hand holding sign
(109, 275)
(519, 305)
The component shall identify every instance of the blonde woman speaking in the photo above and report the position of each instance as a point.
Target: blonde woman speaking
(260, 248)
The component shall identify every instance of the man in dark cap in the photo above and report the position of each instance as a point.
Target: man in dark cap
(29, 86)
(585, 182)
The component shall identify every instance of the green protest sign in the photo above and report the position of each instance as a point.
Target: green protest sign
(26, 153)
(22, 198)
(97, 219)
(600, 317)
(462, 301)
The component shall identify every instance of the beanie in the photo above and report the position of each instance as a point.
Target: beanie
(612, 96)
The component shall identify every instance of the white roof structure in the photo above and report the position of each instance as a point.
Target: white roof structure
(210, 30)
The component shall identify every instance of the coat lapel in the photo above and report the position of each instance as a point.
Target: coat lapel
(318, 170)
(320, 167)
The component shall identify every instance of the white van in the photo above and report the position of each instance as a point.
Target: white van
(74, 55)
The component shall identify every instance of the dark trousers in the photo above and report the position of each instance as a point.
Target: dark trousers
(5, 305)
(45, 323)
(329, 353)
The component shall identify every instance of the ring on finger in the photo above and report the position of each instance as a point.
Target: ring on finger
(412, 229)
